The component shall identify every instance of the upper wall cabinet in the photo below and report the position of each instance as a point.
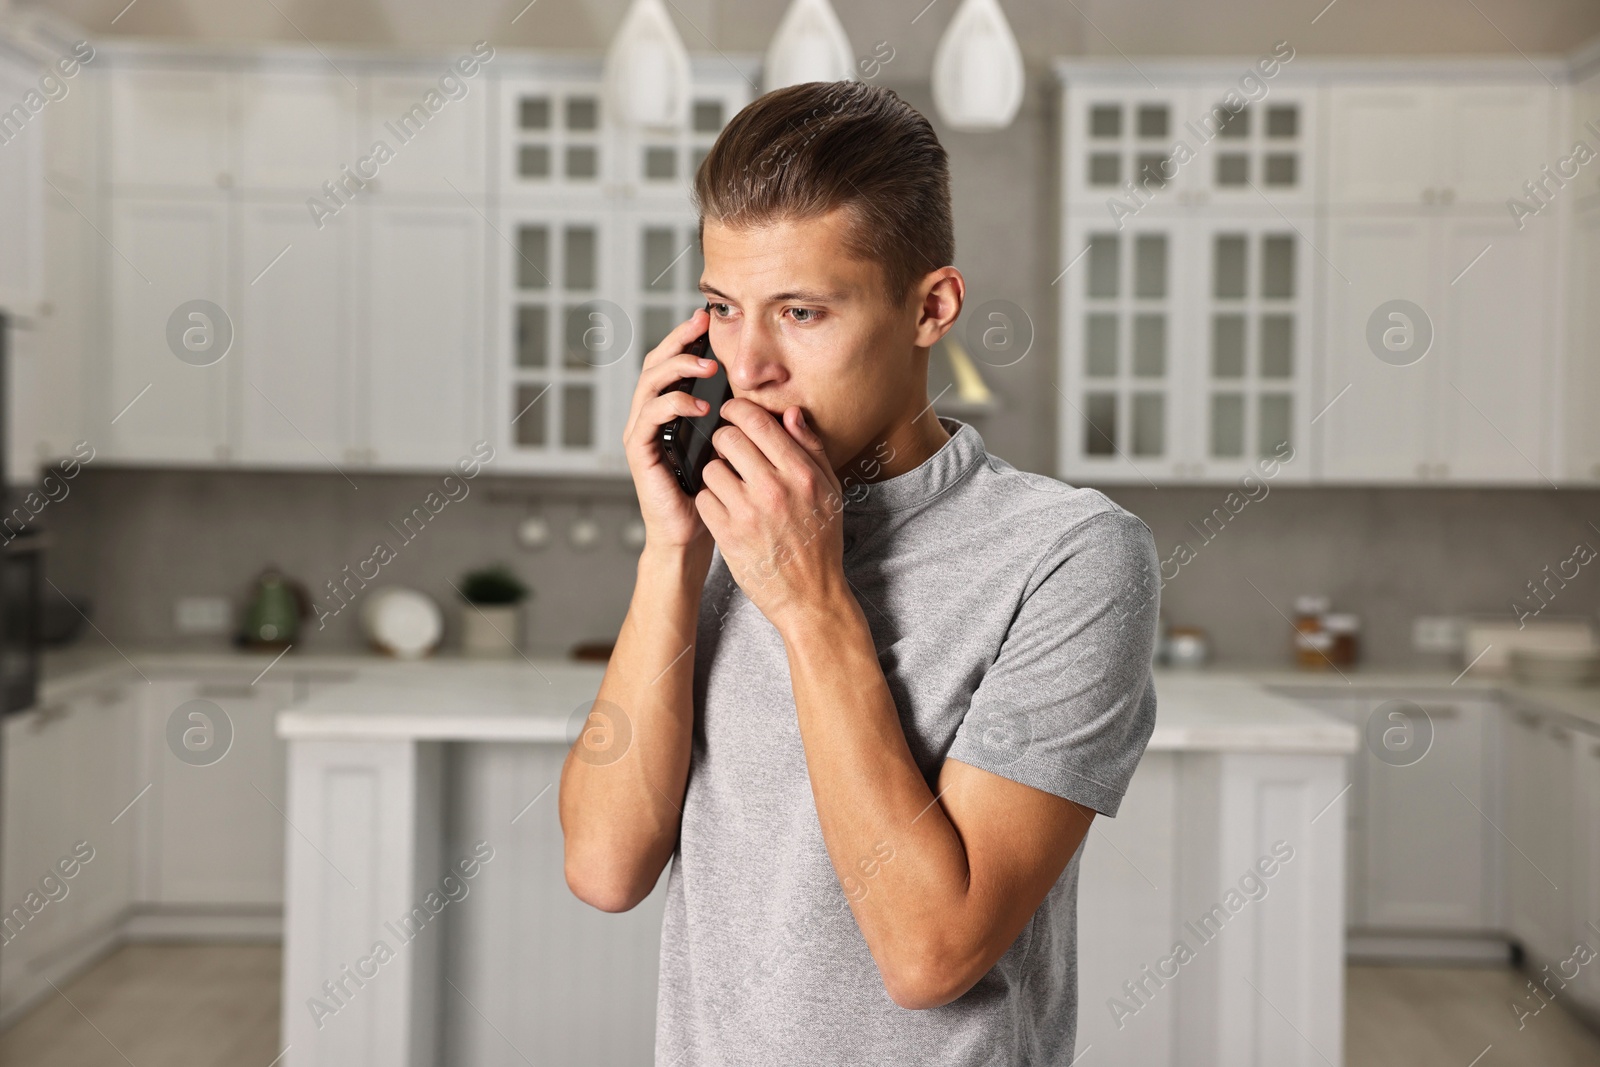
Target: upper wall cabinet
(291, 131)
(22, 163)
(443, 152)
(169, 129)
(1189, 277)
(206, 129)
(1341, 274)
(552, 137)
(1421, 144)
(600, 259)
(1129, 147)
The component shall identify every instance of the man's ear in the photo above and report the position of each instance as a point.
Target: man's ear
(940, 296)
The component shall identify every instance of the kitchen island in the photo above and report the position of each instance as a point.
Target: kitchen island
(427, 919)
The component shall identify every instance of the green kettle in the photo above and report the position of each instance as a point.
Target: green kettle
(272, 617)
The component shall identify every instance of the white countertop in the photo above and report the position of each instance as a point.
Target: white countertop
(356, 695)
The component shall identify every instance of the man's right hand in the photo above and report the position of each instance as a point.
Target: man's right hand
(670, 517)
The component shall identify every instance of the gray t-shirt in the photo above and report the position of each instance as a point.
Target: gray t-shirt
(1014, 618)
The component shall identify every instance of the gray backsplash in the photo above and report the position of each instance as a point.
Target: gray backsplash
(135, 540)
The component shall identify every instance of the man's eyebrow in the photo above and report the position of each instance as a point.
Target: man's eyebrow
(804, 296)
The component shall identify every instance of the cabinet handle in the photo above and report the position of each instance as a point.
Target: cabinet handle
(226, 691)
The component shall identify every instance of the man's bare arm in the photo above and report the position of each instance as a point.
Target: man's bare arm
(941, 884)
(619, 815)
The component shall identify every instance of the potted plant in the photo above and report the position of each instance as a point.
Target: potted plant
(489, 619)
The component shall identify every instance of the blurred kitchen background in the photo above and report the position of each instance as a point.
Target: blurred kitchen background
(1341, 351)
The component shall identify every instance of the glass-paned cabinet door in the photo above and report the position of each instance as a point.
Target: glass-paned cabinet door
(665, 163)
(661, 266)
(567, 342)
(1253, 151)
(1251, 314)
(554, 136)
(1118, 145)
(1121, 350)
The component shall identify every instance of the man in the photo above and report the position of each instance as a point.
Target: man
(874, 682)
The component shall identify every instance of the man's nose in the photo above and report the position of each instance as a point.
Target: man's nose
(754, 361)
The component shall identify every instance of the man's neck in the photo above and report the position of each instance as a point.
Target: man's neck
(901, 447)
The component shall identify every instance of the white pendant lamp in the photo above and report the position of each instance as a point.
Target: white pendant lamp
(809, 46)
(646, 73)
(977, 69)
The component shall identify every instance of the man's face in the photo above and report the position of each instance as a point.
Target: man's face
(798, 322)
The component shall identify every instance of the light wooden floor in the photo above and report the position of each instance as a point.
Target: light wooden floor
(204, 1005)
(158, 1006)
(1422, 1016)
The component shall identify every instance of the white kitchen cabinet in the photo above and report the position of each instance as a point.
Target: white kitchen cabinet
(1196, 141)
(169, 130)
(291, 131)
(568, 348)
(1263, 153)
(1472, 406)
(1581, 380)
(1422, 854)
(1187, 347)
(424, 331)
(1381, 143)
(67, 777)
(295, 329)
(600, 259)
(443, 154)
(1541, 756)
(1426, 143)
(22, 188)
(215, 832)
(1429, 859)
(60, 389)
(159, 408)
(1495, 352)
(553, 139)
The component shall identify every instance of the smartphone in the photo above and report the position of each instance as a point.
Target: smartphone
(686, 440)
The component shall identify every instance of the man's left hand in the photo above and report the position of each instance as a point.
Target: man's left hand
(776, 510)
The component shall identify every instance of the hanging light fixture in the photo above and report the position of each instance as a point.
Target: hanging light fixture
(978, 74)
(809, 46)
(646, 72)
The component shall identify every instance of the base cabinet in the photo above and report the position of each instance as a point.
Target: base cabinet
(214, 825)
(68, 845)
(1423, 788)
(1541, 757)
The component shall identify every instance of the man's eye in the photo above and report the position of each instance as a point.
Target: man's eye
(810, 313)
(719, 310)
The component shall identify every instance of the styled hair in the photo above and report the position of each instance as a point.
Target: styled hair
(799, 152)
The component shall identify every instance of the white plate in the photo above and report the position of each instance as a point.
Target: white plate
(402, 622)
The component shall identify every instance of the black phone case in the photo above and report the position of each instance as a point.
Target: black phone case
(686, 440)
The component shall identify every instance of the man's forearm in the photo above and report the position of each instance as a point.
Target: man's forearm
(872, 800)
(620, 812)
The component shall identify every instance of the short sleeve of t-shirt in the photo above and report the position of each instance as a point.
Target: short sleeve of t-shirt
(1069, 704)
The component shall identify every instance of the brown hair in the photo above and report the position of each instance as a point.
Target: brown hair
(801, 151)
